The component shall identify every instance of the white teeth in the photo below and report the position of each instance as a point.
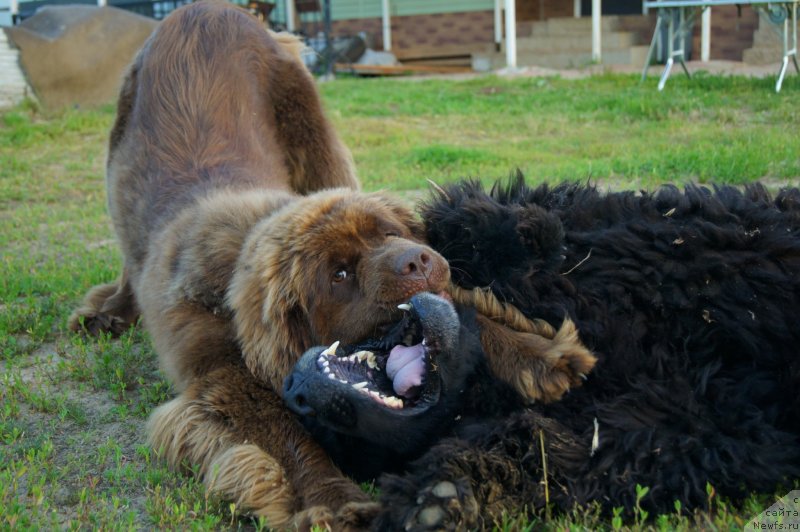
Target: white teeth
(404, 306)
(343, 382)
(393, 402)
(360, 385)
(375, 395)
(361, 355)
(325, 364)
(372, 362)
(332, 349)
(331, 376)
(326, 369)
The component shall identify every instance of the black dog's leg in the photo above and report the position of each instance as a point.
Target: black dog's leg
(470, 482)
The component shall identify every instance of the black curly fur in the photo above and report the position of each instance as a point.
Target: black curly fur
(691, 301)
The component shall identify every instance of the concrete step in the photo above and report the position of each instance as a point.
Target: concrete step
(762, 56)
(767, 45)
(12, 81)
(524, 28)
(560, 60)
(639, 54)
(564, 43)
(13, 85)
(569, 25)
(768, 36)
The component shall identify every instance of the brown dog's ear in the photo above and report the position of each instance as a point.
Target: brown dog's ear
(127, 99)
(406, 216)
(416, 228)
(271, 327)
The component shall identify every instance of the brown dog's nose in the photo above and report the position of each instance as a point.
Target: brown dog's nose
(415, 261)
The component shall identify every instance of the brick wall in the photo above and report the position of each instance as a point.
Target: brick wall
(424, 31)
(731, 34)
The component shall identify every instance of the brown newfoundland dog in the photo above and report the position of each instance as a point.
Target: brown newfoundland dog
(245, 242)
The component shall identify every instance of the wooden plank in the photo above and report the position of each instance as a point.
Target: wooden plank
(399, 70)
(456, 50)
(464, 61)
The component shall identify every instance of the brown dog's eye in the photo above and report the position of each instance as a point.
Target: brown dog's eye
(391, 234)
(340, 276)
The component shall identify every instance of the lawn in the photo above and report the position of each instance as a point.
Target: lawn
(72, 410)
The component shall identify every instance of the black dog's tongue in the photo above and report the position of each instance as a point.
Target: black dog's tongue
(406, 368)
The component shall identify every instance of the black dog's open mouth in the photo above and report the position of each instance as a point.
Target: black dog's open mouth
(397, 371)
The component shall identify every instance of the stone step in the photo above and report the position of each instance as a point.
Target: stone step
(767, 45)
(11, 78)
(524, 28)
(13, 85)
(559, 60)
(565, 43)
(14, 92)
(768, 36)
(568, 25)
(762, 56)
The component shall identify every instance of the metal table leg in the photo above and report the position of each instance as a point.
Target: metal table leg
(683, 18)
(652, 49)
(787, 51)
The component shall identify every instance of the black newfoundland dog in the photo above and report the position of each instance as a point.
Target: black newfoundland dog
(690, 300)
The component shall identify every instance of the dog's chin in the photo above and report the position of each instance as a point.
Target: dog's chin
(369, 387)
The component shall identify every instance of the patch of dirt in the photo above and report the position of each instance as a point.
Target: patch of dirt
(94, 441)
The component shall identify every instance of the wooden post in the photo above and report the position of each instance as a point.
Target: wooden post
(511, 34)
(498, 23)
(290, 15)
(705, 35)
(597, 10)
(387, 25)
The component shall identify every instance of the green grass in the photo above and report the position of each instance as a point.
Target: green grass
(72, 410)
(728, 130)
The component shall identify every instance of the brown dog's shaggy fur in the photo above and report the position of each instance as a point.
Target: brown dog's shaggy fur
(245, 242)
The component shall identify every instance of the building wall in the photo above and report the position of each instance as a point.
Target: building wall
(349, 9)
(543, 9)
(731, 34)
(425, 31)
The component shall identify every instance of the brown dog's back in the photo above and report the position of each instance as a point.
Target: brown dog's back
(214, 101)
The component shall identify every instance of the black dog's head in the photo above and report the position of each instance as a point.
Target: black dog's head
(395, 391)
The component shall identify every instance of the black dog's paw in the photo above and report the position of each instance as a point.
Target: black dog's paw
(446, 505)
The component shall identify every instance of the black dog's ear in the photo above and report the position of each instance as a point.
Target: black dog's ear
(542, 234)
(495, 238)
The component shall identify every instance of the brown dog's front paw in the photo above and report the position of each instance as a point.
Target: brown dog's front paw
(320, 517)
(95, 323)
(356, 516)
(351, 517)
(539, 368)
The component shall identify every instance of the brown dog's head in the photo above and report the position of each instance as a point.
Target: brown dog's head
(332, 266)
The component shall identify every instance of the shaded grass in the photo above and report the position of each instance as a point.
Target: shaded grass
(72, 410)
